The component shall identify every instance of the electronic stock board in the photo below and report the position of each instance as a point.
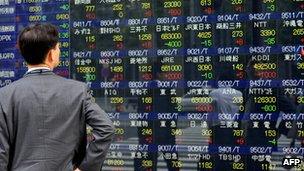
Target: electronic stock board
(189, 84)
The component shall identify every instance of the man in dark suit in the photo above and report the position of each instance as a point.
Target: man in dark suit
(43, 116)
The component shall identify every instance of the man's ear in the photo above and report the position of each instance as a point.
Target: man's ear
(49, 56)
(52, 52)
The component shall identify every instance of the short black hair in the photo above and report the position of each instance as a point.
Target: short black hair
(35, 41)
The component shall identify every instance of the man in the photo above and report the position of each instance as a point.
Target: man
(43, 116)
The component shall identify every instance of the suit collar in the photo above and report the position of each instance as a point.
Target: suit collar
(39, 71)
(36, 68)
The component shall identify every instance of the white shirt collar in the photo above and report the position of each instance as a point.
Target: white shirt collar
(36, 68)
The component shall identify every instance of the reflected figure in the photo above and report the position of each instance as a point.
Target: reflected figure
(222, 135)
(224, 104)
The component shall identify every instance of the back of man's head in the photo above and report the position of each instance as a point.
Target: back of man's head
(35, 41)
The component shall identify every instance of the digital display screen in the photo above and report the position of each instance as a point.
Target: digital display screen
(189, 84)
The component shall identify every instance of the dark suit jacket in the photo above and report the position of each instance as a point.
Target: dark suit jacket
(43, 122)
